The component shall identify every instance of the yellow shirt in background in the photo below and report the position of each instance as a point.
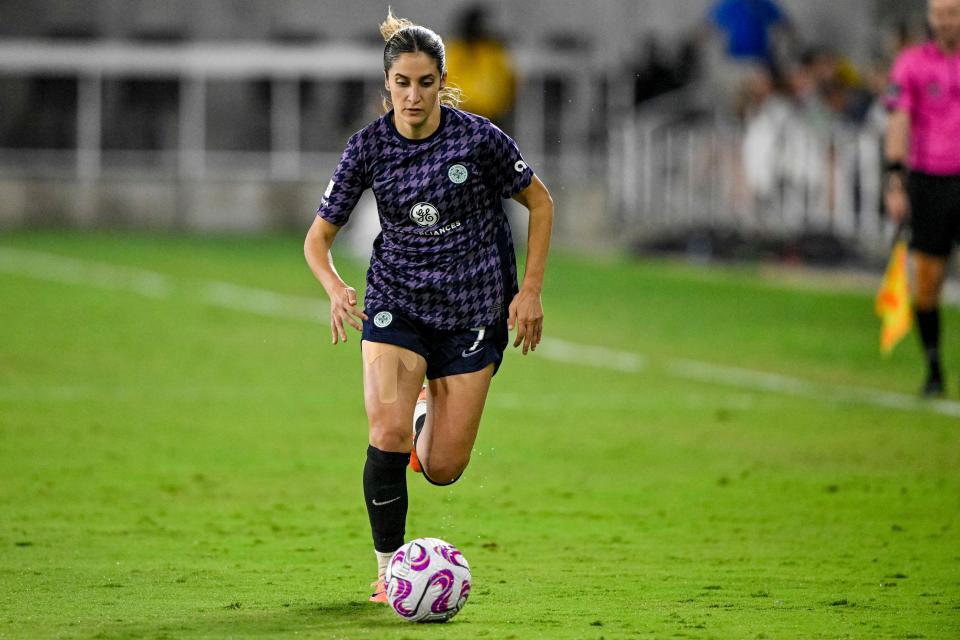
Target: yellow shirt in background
(482, 70)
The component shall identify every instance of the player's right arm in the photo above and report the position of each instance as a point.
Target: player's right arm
(896, 147)
(343, 297)
(350, 179)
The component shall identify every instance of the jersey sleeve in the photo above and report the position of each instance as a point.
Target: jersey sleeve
(349, 181)
(510, 174)
(900, 91)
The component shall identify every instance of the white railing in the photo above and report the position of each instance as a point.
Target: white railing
(779, 176)
(194, 65)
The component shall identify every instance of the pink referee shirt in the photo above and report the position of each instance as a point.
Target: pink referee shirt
(925, 82)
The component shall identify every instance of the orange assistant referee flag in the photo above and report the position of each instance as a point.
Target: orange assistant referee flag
(893, 300)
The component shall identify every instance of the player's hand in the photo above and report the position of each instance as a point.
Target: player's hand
(343, 309)
(526, 314)
(896, 200)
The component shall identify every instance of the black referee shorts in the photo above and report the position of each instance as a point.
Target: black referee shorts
(934, 213)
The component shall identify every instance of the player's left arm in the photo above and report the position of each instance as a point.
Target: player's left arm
(526, 310)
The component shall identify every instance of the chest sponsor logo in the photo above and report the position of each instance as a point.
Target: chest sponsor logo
(424, 214)
(383, 319)
(520, 166)
(458, 174)
(439, 231)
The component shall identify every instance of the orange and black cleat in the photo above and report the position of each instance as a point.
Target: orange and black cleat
(379, 591)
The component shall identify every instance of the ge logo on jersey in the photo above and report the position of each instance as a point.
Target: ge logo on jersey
(424, 214)
(458, 174)
(383, 319)
(520, 166)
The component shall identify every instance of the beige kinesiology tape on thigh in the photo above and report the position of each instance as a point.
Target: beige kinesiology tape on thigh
(386, 360)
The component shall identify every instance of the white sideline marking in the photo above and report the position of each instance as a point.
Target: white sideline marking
(776, 383)
(263, 302)
(56, 268)
(65, 270)
(584, 354)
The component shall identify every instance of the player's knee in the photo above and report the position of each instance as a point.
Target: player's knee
(446, 471)
(928, 281)
(927, 295)
(389, 437)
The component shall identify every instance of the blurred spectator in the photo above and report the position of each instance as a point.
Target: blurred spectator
(747, 29)
(829, 89)
(654, 75)
(657, 72)
(747, 25)
(768, 121)
(479, 64)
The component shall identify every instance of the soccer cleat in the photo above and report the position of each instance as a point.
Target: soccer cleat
(379, 591)
(933, 387)
(419, 416)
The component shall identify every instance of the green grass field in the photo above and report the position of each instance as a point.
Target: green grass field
(179, 459)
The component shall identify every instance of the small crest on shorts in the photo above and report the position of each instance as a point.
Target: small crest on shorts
(383, 319)
(458, 174)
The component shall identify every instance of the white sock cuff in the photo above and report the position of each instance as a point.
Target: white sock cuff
(383, 559)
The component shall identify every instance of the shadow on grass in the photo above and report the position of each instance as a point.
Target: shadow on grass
(351, 619)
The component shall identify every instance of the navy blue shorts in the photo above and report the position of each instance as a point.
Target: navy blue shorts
(448, 352)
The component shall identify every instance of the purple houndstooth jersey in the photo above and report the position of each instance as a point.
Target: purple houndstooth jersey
(445, 253)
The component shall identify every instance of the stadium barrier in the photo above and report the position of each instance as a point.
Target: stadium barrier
(658, 173)
(188, 184)
(780, 178)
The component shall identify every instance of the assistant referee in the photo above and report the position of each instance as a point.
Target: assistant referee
(922, 152)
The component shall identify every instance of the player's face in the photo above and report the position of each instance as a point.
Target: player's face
(944, 17)
(414, 83)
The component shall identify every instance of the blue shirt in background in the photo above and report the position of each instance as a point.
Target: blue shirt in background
(747, 24)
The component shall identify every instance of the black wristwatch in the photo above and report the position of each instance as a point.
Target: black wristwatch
(895, 170)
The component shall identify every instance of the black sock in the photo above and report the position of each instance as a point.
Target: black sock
(928, 322)
(385, 492)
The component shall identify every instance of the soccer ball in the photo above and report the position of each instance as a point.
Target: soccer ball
(428, 580)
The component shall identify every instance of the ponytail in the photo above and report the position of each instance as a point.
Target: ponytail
(390, 26)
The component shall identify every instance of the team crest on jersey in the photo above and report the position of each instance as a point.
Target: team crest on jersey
(383, 319)
(424, 214)
(458, 174)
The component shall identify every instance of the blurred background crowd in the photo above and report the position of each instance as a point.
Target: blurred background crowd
(720, 128)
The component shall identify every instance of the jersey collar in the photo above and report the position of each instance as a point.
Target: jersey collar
(388, 118)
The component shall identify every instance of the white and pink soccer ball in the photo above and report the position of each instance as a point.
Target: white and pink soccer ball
(428, 580)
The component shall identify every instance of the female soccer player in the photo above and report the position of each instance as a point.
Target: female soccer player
(442, 290)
